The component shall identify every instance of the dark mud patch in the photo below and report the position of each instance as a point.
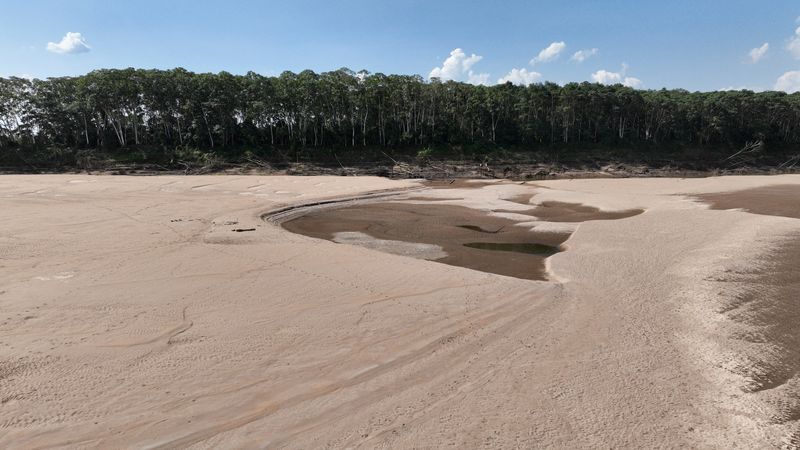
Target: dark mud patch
(573, 212)
(448, 226)
(779, 200)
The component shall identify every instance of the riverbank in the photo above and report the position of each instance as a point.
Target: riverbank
(165, 312)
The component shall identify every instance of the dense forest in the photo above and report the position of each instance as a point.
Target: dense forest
(161, 113)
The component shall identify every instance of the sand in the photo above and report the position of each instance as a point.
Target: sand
(133, 315)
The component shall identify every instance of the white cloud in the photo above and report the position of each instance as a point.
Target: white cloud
(757, 53)
(794, 44)
(606, 77)
(550, 53)
(788, 82)
(521, 76)
(582, 55)
(71, 43)
(478, 78)
(457, 65)
(742, 88)
(632, 82)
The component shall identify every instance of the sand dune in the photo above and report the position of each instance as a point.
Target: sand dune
(163, 312)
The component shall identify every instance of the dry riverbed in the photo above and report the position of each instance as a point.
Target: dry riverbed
(209, 312)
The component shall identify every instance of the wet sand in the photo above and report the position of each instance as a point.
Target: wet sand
(461, 183)
(471, 238)
(780, 200)
(771, 308)
(571, 212)
(450, 227)
(765, 310)
(751, 322)
(133, 315)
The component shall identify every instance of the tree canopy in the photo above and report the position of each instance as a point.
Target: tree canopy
(129, 108)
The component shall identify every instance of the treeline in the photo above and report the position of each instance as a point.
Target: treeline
(121, 110)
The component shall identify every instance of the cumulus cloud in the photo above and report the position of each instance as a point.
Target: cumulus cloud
(582, 55)
(71, 43)
(632, 82)
(759, 52)
(478, 78)
(742, 88)
(606, 77)
(794, 44)
(457, 66)
(521, 77)
(550, 53)
(789, 82)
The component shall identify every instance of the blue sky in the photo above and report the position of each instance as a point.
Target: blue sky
(697, 45)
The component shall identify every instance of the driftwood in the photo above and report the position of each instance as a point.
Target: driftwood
(401, 167)
(259, 163)
(340, 163)
(746, 156)
(186, 167)
(791, 162)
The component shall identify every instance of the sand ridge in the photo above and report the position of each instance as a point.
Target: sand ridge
(133, 315)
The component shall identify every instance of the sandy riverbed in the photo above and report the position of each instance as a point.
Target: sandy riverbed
(132, 314)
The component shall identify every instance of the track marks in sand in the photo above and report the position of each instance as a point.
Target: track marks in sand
(165, 337)
(456, 342)
(472, 344)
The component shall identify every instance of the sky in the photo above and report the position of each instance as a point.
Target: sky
(691, 44)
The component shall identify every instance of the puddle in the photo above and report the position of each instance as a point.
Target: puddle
(449, 227)
(521, 247)
(480, 230)
(450, 234)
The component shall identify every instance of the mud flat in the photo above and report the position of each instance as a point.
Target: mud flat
(451, 228)
(467, 237)
(779, 200)
(165, 312)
